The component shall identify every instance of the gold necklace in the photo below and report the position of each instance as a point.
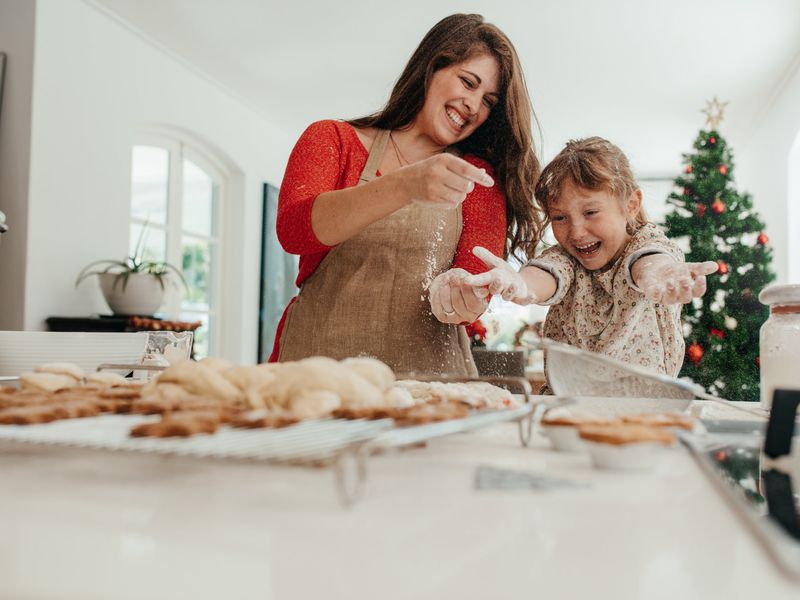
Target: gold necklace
(400, 158)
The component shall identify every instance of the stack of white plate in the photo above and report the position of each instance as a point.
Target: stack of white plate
(21, 351)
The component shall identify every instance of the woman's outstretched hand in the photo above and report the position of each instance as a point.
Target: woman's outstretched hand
(453, 301)
(501, 278)
(666, 281)
(443, 180)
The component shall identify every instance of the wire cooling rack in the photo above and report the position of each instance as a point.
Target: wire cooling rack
(345, 444)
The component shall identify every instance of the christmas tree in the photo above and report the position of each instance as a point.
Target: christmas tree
(715, 222)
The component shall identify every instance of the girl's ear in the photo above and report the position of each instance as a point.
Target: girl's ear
(634, 205)
(633, 208)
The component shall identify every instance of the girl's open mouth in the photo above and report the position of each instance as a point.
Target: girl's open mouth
(589, 250)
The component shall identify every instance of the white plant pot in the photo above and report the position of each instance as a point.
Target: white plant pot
(142, 295)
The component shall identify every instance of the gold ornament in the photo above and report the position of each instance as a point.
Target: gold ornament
(714, 110)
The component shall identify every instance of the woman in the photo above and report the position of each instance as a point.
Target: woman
(378, 208)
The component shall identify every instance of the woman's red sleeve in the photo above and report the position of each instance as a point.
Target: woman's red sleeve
(314, 167)
(484, 217)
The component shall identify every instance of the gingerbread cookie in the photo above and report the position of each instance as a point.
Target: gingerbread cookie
(430, 413)
(31, 415)
(22, 399)
(620, 435)
(129, 391)
(661, 420)
(369, 413)
(179, 425)
(257, 420)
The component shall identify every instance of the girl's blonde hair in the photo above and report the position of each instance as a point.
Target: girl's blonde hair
(591, 164)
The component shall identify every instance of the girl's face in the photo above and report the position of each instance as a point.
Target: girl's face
(592, 225)
(459, 100)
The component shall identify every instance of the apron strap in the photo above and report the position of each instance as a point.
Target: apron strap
(375, 155)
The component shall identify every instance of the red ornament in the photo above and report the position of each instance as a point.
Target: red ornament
(758, 361)
(477, 332)
(762, 239)
(717, 333)
(688, 169)
(687, 192)
(712, 140)
(718, 206)
(695, 353)
(723, 267)
(701, 209)
(723, 169)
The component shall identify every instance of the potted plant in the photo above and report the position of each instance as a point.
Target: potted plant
(133, 286)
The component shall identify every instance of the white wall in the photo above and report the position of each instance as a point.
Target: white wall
(17, 22)
(764, 170)
(793, 220)
(96, 84)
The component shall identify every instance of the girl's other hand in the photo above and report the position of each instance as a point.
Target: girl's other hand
(501, 278)
(453, 301)
(443, 180)
(669, 282)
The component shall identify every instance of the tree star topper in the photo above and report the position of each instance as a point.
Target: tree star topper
(714, 112)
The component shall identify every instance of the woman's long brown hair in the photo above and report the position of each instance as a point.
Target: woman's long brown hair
(505, 140)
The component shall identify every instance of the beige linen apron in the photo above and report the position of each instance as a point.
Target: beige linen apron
(369, 296)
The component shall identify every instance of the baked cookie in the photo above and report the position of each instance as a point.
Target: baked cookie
(621, 435)
(262, 420)
(430, 413)
(122, 392)
(661, 420)
(565, 420)
(179, 425)
(352, 413)
(475, 394)
(32, 415)
(22, 399)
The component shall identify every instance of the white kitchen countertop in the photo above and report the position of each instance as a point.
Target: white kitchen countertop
(90, 524)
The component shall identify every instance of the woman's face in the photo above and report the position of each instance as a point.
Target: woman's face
(460, 98)
(592, 225)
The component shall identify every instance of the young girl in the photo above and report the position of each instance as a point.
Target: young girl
(614, 282)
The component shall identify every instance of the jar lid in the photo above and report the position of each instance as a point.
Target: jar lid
(780, 294)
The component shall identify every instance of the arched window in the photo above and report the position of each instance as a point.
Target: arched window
(176, 192)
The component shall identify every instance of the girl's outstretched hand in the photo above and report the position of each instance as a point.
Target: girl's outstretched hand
(501, 278)
(668, 282)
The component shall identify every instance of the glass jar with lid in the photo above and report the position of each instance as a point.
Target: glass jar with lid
(780, 341)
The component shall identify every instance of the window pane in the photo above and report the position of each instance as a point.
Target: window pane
(149, 184)
(201, 347)
(199, 200)
(196, 264)
(153, 243)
